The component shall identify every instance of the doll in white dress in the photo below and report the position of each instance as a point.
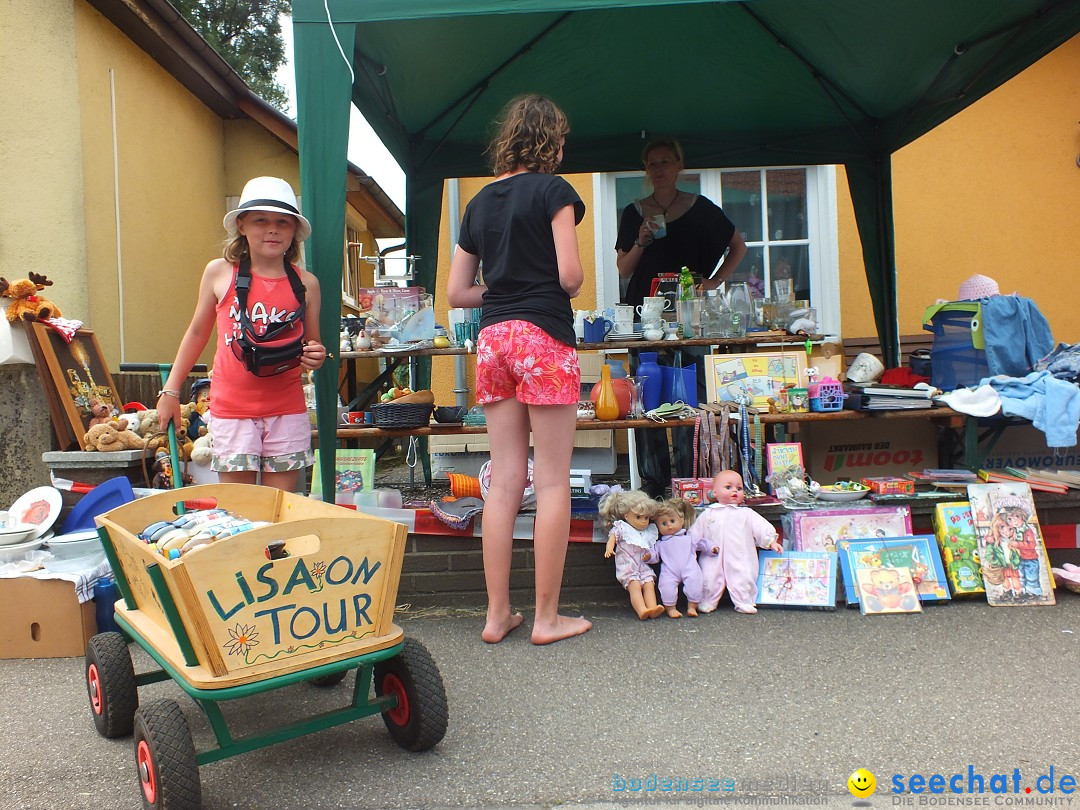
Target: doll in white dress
(631, 538)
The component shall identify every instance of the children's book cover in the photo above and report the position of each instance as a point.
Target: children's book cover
(782, 456)
(917, 553)
(823, 529)
(1015, 568)
(797, 579)
(955, 532)
(886, 590)
(354, 471)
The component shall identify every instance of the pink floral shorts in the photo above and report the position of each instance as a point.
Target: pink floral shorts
(518, 358)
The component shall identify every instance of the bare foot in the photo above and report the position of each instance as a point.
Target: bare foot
(564, 627)
(496, 631)
(745, 609)
(673, 613)
(653, 612)
(691, 611)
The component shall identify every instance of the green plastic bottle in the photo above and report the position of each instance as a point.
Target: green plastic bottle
(686, 284)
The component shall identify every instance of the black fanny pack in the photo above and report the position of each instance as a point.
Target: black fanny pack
(249, 347)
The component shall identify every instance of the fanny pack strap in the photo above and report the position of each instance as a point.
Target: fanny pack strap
(243, 284)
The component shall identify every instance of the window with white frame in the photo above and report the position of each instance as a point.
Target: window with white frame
(787, 215)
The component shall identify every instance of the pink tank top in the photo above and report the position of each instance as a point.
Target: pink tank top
(236, 393)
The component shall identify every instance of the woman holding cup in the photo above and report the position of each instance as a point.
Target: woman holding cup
(670, 229)
(661, 233)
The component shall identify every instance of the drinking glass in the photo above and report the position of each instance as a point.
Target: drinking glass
(739, 303)
(637, 393)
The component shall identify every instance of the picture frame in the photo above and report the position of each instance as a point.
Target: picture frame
(1012, 554)
(73, 375)
(354, 471)
(755, 377)
(917, 553)
(823, 529)
(797, 579)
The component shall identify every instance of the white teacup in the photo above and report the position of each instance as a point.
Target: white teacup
(623, 312)
(623, 327)
(652, 334)
(655, 303)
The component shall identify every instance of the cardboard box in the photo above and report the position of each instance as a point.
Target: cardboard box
(42, 618)
(836, 451)
(890, 485)
(689, 489)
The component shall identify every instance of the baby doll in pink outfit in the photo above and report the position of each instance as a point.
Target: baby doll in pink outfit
(631, 540)
(738, 532)
(677, 552)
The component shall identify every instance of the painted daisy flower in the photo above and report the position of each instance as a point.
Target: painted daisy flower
(241, 639)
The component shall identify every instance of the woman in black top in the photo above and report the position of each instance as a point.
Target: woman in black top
(698, 233)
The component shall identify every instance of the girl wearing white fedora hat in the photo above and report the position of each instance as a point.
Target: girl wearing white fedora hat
(266, 310)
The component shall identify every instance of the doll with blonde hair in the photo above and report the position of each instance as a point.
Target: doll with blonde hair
(631, 539)
(677, 553)
(738, 532)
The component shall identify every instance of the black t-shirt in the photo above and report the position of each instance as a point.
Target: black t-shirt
(508, 225)
(696, 240)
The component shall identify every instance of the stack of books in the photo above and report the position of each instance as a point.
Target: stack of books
(1038, 480)
(882, 397)
(943, 479)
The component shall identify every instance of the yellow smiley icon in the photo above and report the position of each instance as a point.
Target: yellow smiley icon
(861, 783)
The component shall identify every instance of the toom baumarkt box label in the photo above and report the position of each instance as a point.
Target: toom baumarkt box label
(1025, 446)
(872, 448)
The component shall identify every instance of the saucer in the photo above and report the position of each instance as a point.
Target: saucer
(623, 336)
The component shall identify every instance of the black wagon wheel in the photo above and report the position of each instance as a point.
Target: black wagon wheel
(165, 758)
(418, 722)
(324, 681)
(110, 683)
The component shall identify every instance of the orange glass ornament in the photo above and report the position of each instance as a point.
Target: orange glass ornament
(607, 405)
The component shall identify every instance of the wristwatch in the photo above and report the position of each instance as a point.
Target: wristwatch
(639, 244)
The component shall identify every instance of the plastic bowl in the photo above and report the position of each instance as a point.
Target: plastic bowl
(450, 413)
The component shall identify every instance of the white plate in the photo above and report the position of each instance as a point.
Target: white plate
(16, 534)
(826, 494)
(623, 336)
(40, 507)
(18, 551)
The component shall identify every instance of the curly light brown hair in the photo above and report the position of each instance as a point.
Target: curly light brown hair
(529, 135)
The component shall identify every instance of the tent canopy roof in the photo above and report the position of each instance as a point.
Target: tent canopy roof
(740, 83)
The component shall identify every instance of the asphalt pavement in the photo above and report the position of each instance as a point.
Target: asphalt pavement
(777, 708)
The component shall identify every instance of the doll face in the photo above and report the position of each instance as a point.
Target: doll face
(728, 488)
(636, 519)
(668, 523)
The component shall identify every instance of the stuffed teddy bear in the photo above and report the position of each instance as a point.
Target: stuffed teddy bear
(27, 304)
(203, 450)
(105, 437)
(128, 421)
(148, 423)
(99, 412)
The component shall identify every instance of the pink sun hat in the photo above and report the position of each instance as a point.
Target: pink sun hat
(976, 287)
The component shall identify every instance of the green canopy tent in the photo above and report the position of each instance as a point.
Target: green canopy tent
(758, 83)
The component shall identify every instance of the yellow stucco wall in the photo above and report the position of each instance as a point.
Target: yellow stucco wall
(994, 190)
(41, 223)
(442, 368)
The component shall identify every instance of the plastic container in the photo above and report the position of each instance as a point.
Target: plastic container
(826, 395)
(105, 596)
(954, 360)
(688, 392)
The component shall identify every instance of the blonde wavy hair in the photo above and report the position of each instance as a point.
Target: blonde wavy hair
(236, 248)
(616, 505)
(528, 136)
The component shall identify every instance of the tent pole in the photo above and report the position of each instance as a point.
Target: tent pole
(323, 94)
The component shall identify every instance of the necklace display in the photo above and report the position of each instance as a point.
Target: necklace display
(664, 208)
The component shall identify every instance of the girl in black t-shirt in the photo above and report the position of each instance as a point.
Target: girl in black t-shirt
(521, 226)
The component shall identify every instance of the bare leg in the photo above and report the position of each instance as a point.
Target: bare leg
(652, 609)
(286, 479)
(637, 600)
(508, 436)
(245, 477)
(554, 427)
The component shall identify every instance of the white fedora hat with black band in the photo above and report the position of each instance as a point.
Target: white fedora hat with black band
(268, 194)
